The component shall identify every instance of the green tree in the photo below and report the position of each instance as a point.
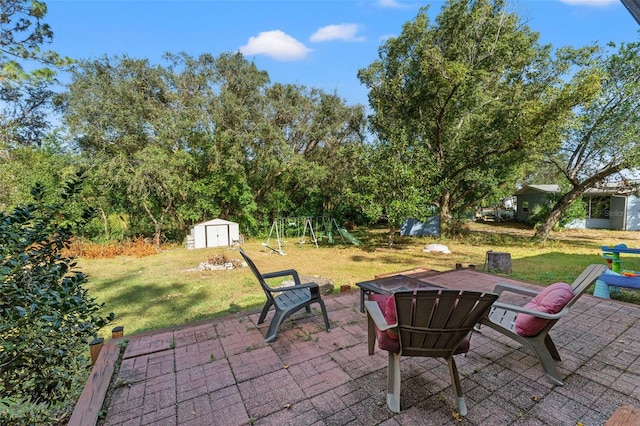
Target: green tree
(603, 137)
(122, 112)
(205, 137)
(22, 35)
(472, 97)
(24, 120)
(26, 71)
(21, 167)
(383, 184)
(294, 171)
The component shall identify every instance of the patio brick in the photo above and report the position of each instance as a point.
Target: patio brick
(221, 372)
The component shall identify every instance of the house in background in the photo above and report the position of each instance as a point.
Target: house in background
(608, 207)
(531, 196)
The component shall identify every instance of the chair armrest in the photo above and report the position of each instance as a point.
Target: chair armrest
(287, 272)
(374, 312)
(310, 286)
(523, 310)
(504, 287)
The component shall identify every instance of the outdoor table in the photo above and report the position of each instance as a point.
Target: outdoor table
(391, 284)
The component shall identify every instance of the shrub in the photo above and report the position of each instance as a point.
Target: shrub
(47, 315)
(138, 247)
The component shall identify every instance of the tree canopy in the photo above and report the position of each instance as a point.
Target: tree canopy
(470, 98)
(205, 137)
(22, 36)
(602, 138)
(26, 72)
(462, 106)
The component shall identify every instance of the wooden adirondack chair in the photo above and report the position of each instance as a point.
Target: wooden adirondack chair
(286, 300)
(429, 323)
(530, 324)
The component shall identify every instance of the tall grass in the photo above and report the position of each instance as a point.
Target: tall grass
(166, 290)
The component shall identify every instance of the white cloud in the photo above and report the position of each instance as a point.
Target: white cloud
(276, 45)
(393, 4)
(599, 3)
(346, 32)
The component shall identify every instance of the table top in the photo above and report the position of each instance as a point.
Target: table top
(617, 249)
(394, 283)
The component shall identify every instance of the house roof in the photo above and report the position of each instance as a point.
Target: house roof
(548, 189)
(612, 188)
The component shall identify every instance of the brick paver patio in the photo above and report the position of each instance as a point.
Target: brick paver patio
(221, 372)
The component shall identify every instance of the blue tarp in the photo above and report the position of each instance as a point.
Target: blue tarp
(415, 228)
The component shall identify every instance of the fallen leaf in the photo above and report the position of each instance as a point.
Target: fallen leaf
(287, 406)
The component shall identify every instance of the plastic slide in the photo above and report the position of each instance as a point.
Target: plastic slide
(346, 235)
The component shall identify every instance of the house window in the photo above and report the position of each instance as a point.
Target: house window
(598, 207)
(525, 207)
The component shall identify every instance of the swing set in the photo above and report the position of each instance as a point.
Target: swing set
(301, 228)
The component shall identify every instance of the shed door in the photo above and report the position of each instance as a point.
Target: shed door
(217, 235)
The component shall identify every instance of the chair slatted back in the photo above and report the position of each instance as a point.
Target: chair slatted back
(433, 323)
(590, 274)
(256, 272)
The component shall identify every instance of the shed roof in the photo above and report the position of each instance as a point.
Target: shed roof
(215, 222)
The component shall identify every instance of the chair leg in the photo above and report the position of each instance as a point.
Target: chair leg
(393, 382)
(457, 388)
(324, 315)
(265, 309)
(371, 334)
(552, 348)
(274, 326)
(548, 363)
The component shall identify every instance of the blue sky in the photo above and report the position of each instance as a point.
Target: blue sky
(317, 43)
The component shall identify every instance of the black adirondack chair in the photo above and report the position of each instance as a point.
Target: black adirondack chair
(286, 300)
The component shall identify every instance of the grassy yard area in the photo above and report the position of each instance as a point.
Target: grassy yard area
(164, 290)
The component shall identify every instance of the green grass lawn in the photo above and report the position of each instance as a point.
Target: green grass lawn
(163, 290)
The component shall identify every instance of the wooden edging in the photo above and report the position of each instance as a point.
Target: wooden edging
(87, 409)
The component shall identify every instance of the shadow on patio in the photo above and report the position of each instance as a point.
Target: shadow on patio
(221, 372)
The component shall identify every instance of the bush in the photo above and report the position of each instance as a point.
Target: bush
(577, 210)
(47, 316)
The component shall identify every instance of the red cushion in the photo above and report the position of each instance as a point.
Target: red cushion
(387, 340)
(551, 300)
(463, 347)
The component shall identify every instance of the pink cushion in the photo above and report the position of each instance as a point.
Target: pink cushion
(551, 300)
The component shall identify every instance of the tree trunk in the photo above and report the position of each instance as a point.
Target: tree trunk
(543, 231)
(392, 233)
(445, 215)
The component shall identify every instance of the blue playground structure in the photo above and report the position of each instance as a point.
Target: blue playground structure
(612, 280)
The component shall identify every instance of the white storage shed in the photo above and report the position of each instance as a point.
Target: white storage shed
(214, 233)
